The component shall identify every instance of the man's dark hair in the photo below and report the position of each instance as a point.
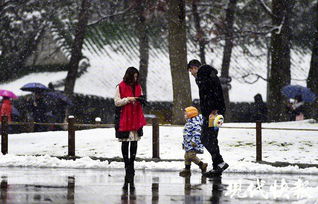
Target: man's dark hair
(129, 76)
(194, 62)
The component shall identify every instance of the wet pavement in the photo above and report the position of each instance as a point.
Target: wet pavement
(49, 185)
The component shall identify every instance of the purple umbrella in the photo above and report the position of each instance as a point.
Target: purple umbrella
(34, 87)
(6, 93)
(291, 91)
(59, 95)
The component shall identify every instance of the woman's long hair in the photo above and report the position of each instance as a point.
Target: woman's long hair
(129, 76)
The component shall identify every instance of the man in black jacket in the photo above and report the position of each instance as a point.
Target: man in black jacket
(211, 102)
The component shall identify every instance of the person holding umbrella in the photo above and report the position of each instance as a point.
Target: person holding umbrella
(39, 109)
(300, 95)
(6, 105)
(6, 108)
(38, 105)
(297, 109)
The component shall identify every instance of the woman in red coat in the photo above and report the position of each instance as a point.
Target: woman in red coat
(6, 108)
(129, 120)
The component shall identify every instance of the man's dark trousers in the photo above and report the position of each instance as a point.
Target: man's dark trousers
(209, 138)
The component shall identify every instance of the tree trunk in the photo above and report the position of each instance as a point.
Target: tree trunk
(280, 67)
(143, 44)
(178, 60)
(200, 34)
(76, 53)
(312, 80)
(227, 52)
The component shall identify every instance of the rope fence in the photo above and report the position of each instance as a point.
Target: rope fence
(72, 127)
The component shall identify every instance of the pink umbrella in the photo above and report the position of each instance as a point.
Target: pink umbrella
(7, 93)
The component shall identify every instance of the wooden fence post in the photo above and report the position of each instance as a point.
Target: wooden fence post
(70, 188)
(71, 136)
(258, 141)
(155, 138)
(4, 189)
(4, 135)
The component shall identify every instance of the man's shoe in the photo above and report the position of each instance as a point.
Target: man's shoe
(212, 173)
(185, 172)
(221, 167)
(217, 171)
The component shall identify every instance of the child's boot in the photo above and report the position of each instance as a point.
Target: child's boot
(186, 171)
(203, 166)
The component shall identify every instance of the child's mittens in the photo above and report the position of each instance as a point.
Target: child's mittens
(193, 144)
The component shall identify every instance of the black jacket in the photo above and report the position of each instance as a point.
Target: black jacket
(39, 109)
(259, 109)
(210, 90)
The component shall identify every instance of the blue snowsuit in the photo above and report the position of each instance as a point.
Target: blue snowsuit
(192, 135)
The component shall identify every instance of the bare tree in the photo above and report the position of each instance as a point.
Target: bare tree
(141, 28)
(178, 59)
(280, 55)
(76, 53)
(200, 37)
(312, 80)
(227, 51)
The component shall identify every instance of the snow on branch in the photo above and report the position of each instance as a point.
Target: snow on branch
(109, 16)
(279, 28)
(267, 9)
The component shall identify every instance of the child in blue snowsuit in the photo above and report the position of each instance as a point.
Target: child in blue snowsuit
(191, 140)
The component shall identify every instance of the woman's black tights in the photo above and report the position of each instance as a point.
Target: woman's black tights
(129, 162)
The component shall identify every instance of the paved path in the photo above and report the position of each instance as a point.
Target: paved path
(47, 185)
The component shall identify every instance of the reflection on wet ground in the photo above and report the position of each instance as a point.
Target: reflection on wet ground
(44, 185)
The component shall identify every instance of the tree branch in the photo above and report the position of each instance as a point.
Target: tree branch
(260, 77)
(267, 9)
(252, 82)
(109, 16)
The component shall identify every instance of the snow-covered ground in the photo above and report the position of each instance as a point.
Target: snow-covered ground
(237, 147)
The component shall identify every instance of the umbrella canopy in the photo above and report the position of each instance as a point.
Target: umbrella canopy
(7, 93)
(60, 96)
(34, 87)
(291, 91)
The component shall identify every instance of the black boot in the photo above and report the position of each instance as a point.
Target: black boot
(131, 167)
(125, 186)
(131, 173)
(132, 184)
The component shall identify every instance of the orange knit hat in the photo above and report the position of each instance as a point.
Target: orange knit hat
(191, 111)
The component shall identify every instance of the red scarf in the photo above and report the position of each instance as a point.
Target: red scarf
(131, 116)
(6, 109)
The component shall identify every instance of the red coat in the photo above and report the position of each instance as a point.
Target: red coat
(131, 116)
(6, 109)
